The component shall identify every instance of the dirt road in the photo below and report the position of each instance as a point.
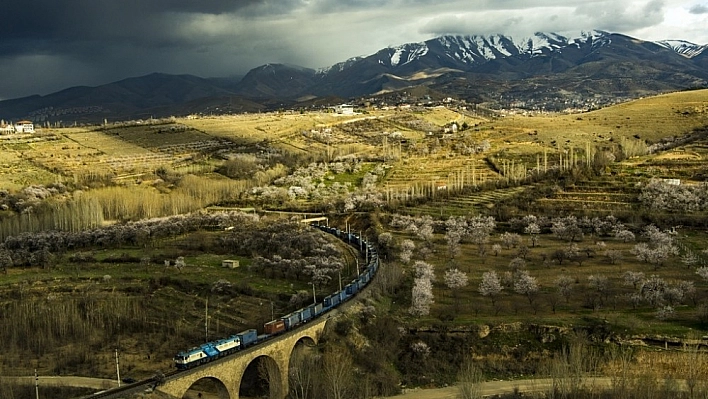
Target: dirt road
(495, 388)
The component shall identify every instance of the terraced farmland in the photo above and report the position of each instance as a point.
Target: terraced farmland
(451, 173)
(602, 195)
(465, 205)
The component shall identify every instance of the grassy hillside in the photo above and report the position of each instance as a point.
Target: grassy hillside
(649, 119)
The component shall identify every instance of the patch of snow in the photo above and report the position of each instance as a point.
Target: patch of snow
(683, 47)
(495, 41)
(484, 48)
(396, 57)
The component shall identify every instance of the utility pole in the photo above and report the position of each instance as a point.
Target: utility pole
(206, 320)
(117, 368)
(36, 384)
(314, 297)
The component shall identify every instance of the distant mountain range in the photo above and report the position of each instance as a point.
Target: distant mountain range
(475, 68)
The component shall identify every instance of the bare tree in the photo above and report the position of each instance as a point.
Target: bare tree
(302, 373)
(269, 371)
(337, 373)
(614, 256)
(516, 265)
(565, 286)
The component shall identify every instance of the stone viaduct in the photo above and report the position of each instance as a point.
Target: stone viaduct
(229, 371)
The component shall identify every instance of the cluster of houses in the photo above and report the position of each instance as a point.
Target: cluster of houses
(17, 127)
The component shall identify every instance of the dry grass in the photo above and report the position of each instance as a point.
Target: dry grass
(651, 119)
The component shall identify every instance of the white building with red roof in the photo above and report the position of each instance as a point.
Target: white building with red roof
(24, 127)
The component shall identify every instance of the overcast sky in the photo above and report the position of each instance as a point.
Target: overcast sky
(48, 45)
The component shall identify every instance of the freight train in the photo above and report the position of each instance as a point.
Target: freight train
(226, 346)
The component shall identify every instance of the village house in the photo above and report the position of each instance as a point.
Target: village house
(344, 109)
(24, 127)
(19, 127)
(6, 128)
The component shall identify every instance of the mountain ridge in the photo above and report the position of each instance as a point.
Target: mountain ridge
(555, 59)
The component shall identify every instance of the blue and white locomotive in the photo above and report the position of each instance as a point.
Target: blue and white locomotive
(216, 349)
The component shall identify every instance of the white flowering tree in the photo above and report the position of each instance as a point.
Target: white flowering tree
(525, 284)
(533, 230)
(421, 297)
(424, 270)
(624, 235)
(479, 228)
(510, 240)
(490, 286)
(634, 279)
(703, 272)
(455, 230)
(567, 228)
(406, 253)
(454, 280)
(653, 290)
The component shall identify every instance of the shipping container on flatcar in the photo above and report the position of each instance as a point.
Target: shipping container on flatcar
(274, 327)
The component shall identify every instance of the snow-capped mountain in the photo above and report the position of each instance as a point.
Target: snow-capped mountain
(686, 49)
(470, 50)
(475, 67)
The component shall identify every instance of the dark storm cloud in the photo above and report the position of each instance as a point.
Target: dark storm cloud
(699, 9)
(51, 25)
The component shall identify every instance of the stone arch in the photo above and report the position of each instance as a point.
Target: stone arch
(302, 363)
(262, 376)
(210, 387)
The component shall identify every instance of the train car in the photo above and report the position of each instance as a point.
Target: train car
(274, 327)
(343, 296)
(331, 301)
(364, 277)
(315, 309)
(352, 288)
(227, 345)
(305, 314)
(248, 337)
(291, 320)
(189, 358)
